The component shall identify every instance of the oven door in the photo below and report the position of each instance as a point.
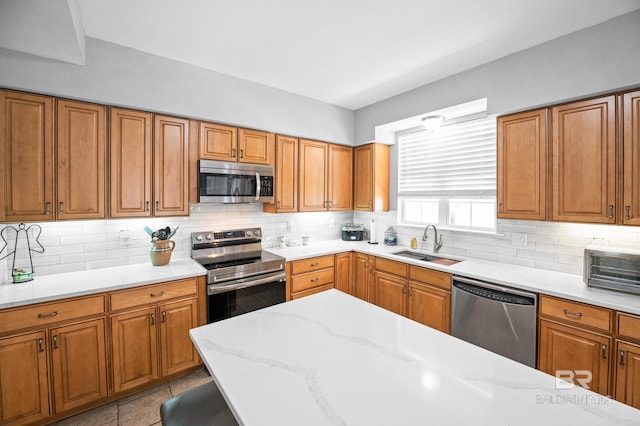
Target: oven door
(244, 295)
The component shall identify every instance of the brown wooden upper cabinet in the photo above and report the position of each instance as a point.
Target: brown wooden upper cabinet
(286, 176)
(371, 177)
(226, 143)
(325, 177)
(521, 163)
(631, 158)
(584, 161)
(47, 178)
(149, 165)
(26, 152)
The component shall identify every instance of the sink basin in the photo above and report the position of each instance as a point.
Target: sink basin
(427, 257)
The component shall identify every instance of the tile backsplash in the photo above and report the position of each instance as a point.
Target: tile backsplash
(79, 245)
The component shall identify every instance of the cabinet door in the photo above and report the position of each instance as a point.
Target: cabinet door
(344, 273)
(391, 292)
(177, 351)
(218, 142)
(312, 176)
(78, 360)
(256, 147)
(130, 156)
(584, 160)
(521, 165)
(171, 166)
(565, 351)
(286, 170)
(80, 152)
(340, 178)
(631, 156)
(26, 155)
(430, 306)
(363, 180)
(362, 278)
(24, 384)
(628, 374)
(135, 353)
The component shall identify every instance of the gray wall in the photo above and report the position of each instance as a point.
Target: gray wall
(116, 75)
(598, 59)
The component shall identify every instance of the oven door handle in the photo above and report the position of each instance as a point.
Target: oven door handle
(257, 186)
(218, 288)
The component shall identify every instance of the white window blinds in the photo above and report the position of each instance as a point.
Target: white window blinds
(455, 160)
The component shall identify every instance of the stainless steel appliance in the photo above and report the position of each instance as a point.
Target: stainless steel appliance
(242, 277)
(612, 268)
(229, 183)
(497, 318)
(353, 232)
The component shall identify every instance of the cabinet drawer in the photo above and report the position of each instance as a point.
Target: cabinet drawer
(311, 280)
(312, 264)
(576, 313)
(628, 326)
(391, 266)
(311, 291)
(429, 276)
(152, 294)
(48, 313)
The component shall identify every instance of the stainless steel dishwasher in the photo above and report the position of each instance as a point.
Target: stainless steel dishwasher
(500, 319)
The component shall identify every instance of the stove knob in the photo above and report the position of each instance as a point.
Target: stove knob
(249, 233)
(209, 236)
(199, 237)
(257, 232)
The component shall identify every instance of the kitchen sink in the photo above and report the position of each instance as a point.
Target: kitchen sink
(427, 257)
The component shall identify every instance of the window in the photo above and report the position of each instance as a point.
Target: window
(448, 176)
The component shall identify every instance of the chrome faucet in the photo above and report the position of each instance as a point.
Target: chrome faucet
(437, 243)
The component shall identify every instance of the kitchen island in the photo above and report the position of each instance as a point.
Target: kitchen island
(332, 359)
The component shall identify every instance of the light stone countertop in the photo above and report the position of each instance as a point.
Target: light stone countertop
(58, 286)
(533, 279)
(332, 359)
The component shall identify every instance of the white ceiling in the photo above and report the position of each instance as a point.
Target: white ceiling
(345, 52)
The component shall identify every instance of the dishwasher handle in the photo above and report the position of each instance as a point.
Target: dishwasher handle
(494, 292)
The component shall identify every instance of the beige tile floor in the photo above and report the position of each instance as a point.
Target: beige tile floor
(140, 409)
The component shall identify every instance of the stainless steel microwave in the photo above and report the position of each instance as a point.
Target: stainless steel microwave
(230, 183)
(612, 268)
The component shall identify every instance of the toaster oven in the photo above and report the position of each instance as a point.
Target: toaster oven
(612, 268)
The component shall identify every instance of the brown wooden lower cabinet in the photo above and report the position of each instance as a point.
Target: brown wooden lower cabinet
(363, 277)
(421, 294)
(344, 272)
(143, 336)
(628, 373)
(310, 276)
(574, 353)
(24, 382)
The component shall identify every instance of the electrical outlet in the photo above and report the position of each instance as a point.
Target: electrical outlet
(519, 239)
(125, 237)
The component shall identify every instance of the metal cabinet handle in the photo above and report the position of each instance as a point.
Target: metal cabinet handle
(40, 347)
(60, 204)
(55, 342)
(621, 362)
(163, 319)
(499, 207)
(610, 211)
(314, 264)
(574, 314)
(157, 294)
(314, 280)
(147, 207)
(409, 290)
(366, 264)
(47, 208)
(404, 289)
(277, 204)
(604, 351)
(233, 152)
(627, 210)
(157, 206)
(242, 153)
(50, 315)
(330, 204)
(153, 319)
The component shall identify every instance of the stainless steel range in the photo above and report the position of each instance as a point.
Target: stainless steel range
(242, 277)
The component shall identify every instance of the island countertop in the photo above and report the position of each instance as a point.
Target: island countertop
(332, 359)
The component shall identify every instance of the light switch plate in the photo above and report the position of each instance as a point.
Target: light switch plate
(519, 239)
